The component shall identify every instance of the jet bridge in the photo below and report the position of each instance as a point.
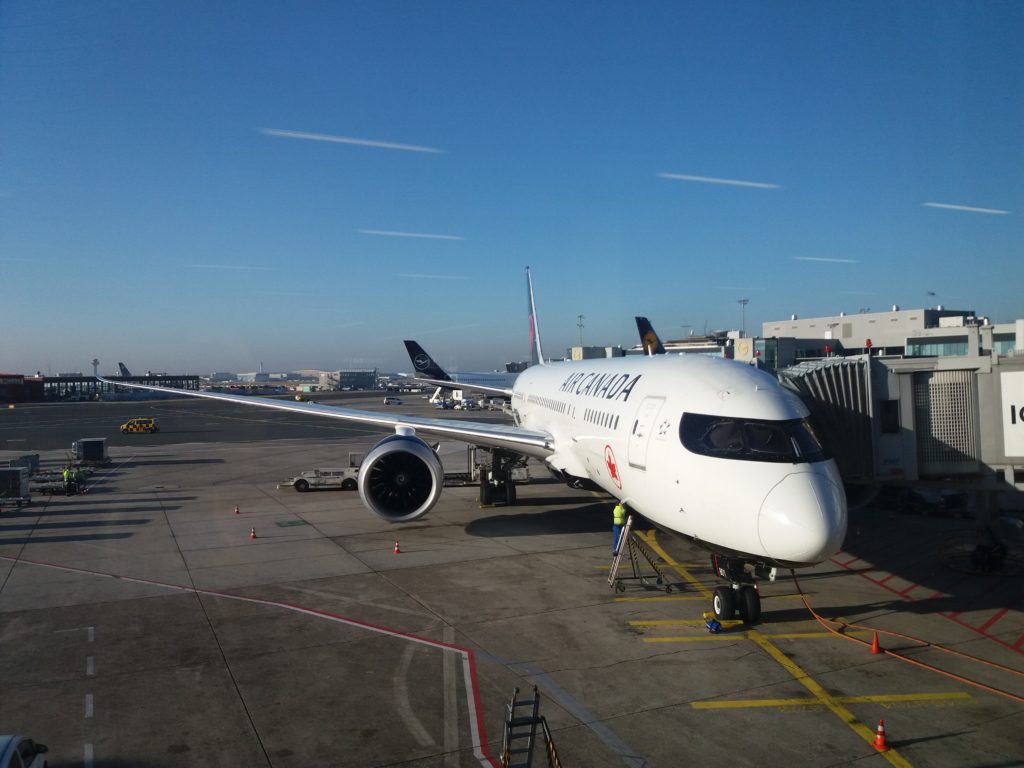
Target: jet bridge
(909, 420)
(945, 422)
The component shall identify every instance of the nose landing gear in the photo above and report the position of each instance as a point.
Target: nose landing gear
(741, 595)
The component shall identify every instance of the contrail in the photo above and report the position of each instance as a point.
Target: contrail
(389, 233)
(229, 266)
(434, 277)
(728, 182)
(967, 208)
(347, 140)
(830, 261)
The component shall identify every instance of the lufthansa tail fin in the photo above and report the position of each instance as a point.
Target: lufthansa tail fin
(536, 352)
(424, 363)
(123, 369)
(648, 338)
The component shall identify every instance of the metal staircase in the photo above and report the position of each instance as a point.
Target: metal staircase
(522, 716)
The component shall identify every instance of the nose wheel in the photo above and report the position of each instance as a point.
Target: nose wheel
(740, 596)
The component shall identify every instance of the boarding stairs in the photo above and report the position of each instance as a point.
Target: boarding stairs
(522, 716)
(633, 547)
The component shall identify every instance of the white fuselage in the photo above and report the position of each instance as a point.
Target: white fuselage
(617, 423)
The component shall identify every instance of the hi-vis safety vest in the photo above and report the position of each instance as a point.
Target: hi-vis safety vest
(619, 515)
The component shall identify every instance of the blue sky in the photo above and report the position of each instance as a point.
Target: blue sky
(198, 186)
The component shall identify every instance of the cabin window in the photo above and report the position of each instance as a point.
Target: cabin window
(791, 441)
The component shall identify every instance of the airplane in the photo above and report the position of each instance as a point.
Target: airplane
(429, 372)
(649, 339)
(710, 449)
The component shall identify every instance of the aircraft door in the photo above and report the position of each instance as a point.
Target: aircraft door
(643, 426)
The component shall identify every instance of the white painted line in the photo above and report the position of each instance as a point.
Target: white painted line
(87, 756)
(403, 705)
(469, 680)
(90, 634)
(90, 666)
(451, 705)
(88, 706)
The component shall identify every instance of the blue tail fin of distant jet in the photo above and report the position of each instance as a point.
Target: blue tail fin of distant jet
(536, 352)
(648, 338)
(424, 363)
(124, 370)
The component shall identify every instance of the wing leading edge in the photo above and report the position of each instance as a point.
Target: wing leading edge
(530, 442)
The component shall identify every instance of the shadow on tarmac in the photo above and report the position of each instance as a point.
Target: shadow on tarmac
(589, 518)
(66, 539)
(167, 462)
(28, 512)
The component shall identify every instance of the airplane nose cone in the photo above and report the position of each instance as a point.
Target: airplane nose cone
(803, 519)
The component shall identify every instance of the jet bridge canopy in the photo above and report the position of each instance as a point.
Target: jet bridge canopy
(837, 391)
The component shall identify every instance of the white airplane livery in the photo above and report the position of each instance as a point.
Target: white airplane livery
(711, 449)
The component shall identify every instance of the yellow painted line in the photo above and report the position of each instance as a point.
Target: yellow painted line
(823, 696)
(659, 598)
(652, 542)
(898, 697)
(743, 636)
(811, 701)
(678, 622)
(834, 704)
(626, 562)
(755, 703)
(709, 638)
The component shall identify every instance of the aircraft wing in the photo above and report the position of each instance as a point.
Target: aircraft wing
(529, 442)
(484, 388)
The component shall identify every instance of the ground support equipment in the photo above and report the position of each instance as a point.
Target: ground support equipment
(631, 544)
(522, 716)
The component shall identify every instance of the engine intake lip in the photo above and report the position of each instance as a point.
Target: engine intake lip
(401, 478)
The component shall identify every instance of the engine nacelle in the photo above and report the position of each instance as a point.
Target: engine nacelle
(401, 478)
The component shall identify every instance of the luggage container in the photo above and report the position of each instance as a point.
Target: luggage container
(90, 450)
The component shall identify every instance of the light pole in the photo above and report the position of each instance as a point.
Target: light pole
(743, 316)
(579, 324)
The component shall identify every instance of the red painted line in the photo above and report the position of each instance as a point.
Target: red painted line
(477, 728)
(953, 616)
(890, 576)
(846, 564)
(999, 614)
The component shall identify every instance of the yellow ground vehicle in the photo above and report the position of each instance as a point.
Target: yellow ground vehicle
(140, 424)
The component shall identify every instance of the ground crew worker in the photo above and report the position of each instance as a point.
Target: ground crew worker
(618, 520)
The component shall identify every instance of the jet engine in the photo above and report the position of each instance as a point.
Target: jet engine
(401, 478)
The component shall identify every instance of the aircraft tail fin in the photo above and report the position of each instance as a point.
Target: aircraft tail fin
(124, 370)
(649, 338)
(536, 352)
(424, 363)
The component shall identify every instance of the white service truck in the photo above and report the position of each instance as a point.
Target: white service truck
(345, 478)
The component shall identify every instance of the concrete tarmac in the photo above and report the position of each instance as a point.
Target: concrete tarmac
(141, 625)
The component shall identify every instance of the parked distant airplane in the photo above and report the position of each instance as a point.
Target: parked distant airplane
(708, 448)
(649, 338)
(428, 371)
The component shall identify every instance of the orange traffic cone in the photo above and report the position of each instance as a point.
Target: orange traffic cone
(397, 550)
(236, 509)
(879, 742)
(252, 533)
(875, 648)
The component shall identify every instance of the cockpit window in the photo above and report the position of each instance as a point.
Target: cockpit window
(792, 441)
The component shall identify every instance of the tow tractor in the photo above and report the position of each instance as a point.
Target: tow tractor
(345, 478)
